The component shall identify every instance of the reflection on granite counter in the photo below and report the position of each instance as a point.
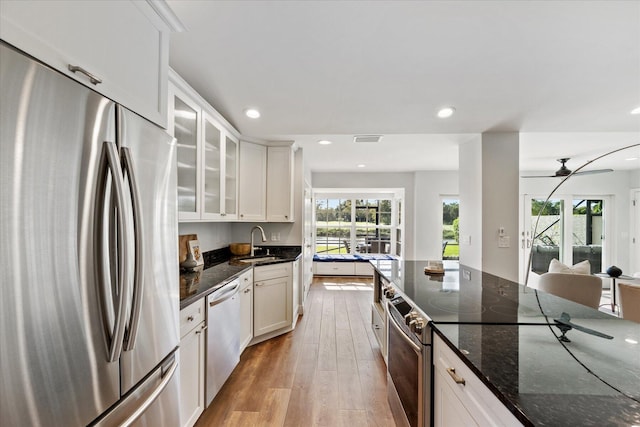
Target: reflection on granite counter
(221, 267)
(506, 334)
(526, 367)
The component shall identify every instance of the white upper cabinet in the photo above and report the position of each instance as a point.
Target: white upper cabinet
(184, 124)
(220, 172)
(253, 182)
(207, 157)
(118, 48)
(280, 184)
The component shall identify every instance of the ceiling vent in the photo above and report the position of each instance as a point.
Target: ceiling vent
(367, 138)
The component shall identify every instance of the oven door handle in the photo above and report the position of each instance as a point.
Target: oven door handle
(413, 345)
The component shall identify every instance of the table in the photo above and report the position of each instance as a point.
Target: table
(613, 287)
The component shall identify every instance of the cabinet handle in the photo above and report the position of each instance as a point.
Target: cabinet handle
(204, 328)
(246, 291)
(190, 318)
(92, 77)
(457, 378)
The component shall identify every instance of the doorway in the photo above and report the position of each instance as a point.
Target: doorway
(450, 228)
(570, 229)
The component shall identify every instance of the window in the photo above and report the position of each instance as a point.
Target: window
(358, 223)
(450, 234)
(570, 229)
(333, 226)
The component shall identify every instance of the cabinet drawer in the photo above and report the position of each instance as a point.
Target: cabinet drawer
(191, 316)
(246, 279)
(363, 269)
(335, 268)
(480, 402)
(272, 271)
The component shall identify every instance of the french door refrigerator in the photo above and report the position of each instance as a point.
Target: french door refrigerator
(88, 256)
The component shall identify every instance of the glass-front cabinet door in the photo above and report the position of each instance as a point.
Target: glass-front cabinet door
(220, 169)
(184, 125)
(231, 177)
(207, 158)
(212, 157)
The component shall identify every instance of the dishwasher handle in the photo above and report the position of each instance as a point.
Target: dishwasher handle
(230, 290)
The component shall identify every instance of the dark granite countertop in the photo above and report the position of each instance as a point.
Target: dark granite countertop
(506, 334)
(221, 267)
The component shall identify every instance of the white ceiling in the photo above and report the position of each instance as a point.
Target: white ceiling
(566, 74)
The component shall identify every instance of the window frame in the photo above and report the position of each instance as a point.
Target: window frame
(354, 195)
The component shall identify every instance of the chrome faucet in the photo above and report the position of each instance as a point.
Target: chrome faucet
(264, 238)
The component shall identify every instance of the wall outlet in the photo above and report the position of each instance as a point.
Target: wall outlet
(274, 237)
(466, 274)
(504, 242)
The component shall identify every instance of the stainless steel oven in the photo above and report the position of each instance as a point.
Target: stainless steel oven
(409, 364)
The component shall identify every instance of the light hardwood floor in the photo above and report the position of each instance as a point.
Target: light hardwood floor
(327, 372)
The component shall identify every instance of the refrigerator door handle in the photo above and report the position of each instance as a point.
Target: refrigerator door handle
(167, 374)
(109, 162)
(138, 278)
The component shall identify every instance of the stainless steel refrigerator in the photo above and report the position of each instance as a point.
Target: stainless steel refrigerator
(88, 225)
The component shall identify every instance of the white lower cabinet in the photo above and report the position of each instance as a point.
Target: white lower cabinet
(273, 298)
(459, 397)
(246, 309)
(192, 363)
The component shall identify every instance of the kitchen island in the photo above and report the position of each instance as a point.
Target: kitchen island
(507, 335)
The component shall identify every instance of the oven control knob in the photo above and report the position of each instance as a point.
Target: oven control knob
(390, 292)
(417, 326)
(410, 316)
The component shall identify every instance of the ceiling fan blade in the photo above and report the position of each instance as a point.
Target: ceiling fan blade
(593, 172)
(538, 176)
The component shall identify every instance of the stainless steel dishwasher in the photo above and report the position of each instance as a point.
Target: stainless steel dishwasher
(223, 336)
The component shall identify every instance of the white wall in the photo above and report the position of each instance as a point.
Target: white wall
(429, 187)
(470, 166)
(377, 180)
(211, 235)
(500, 197)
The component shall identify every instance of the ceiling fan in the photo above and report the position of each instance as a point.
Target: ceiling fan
(565, 171)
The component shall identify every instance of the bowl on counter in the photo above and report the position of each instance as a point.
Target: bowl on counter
(240, 248)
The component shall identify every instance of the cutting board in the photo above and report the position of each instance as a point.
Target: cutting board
(183, 245)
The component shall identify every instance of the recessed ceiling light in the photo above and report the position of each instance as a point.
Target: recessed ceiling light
(446, 112)
(362, 165)
(631, 341)
(252, 113)
(635, 111)
(632, 158)
(324, 142)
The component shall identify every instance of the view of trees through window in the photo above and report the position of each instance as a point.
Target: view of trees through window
(349, 225)
(450, 229)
